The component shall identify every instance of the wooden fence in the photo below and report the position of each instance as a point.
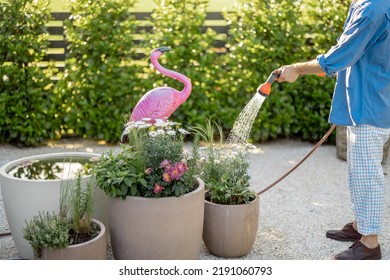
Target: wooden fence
(58, 45)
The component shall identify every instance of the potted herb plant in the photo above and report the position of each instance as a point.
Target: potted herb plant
(71, 234)
(156, 204)
(231, 207)
(42, 177)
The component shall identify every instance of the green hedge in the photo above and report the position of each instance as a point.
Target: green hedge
(28, 107)
(102, 81)
(99, 78)
(265, 35)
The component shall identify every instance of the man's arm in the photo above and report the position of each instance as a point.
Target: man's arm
(289, 73)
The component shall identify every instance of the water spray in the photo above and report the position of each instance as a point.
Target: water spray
(264, 90)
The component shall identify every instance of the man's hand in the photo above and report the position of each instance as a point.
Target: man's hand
(288, 74)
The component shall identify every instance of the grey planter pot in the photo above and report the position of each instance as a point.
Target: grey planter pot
(25, 198)
(94, 249)
(230, 231)
(157, 228)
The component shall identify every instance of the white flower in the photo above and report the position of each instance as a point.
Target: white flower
(159, 122)
(146, 125)
(94, 159)
(130, 125)
(5, 78)
(139, 123)
(152, 133)
(160, 131)
(169, 123)
(171, 132)
(183, 131)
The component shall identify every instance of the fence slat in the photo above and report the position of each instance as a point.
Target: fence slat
(56, 30)
(58, 44)
(61, 15)
(219, 43)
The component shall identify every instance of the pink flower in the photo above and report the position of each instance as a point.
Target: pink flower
(182, 167)
(157, 188)
(148, 170)
(166, 177)
(166, 164)
(177, 170)
(175, 173)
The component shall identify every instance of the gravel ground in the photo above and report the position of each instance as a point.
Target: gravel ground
(294, 215)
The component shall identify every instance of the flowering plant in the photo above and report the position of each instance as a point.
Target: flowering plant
(153, 163)
(224, 168)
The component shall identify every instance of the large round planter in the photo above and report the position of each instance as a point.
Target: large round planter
(230, 231)
(94, 249)
(24, 198)
(157, 228)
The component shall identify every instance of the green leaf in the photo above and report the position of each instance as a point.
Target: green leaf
(134, 190)
(130, 181)
(124, 189)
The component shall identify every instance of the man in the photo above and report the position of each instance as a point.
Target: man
(361, 101)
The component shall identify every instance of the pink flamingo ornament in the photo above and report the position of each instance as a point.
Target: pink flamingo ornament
(161, 102)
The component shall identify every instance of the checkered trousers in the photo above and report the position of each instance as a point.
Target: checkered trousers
(365, 175)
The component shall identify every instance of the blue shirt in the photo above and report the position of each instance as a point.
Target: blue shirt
(361, 60)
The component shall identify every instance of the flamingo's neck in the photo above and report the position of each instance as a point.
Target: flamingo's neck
(185, 93)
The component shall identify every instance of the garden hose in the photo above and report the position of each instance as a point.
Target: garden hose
(299, 163)
(5, 233)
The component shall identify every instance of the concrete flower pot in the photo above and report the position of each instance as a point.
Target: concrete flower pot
(157, 228)
(25, 198)
(230, 231)
(94, 249)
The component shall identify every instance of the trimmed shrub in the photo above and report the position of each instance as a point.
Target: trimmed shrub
(28, 113)
(103, 80)
(265, 35)
(99, 77)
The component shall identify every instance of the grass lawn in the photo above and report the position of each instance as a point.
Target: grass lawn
(147, 5)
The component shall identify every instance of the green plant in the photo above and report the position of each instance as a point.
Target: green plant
(72, 225)
(28, 106)
(47, 230)
(81, 203)
(153, 164)
(100, 73)
(223, 168)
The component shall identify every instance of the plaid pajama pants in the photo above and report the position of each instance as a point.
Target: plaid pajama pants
(365, 175)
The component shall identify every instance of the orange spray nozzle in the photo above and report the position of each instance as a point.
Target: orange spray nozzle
(265, 88)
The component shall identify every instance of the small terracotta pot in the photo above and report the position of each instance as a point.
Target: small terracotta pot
(94, 249)
(157, 228)
(230, 231)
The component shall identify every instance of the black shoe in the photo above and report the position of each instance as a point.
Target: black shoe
(347, 233)
(359, 251)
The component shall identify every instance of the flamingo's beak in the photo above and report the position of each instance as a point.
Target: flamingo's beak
(164, 49)
(124, 137)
